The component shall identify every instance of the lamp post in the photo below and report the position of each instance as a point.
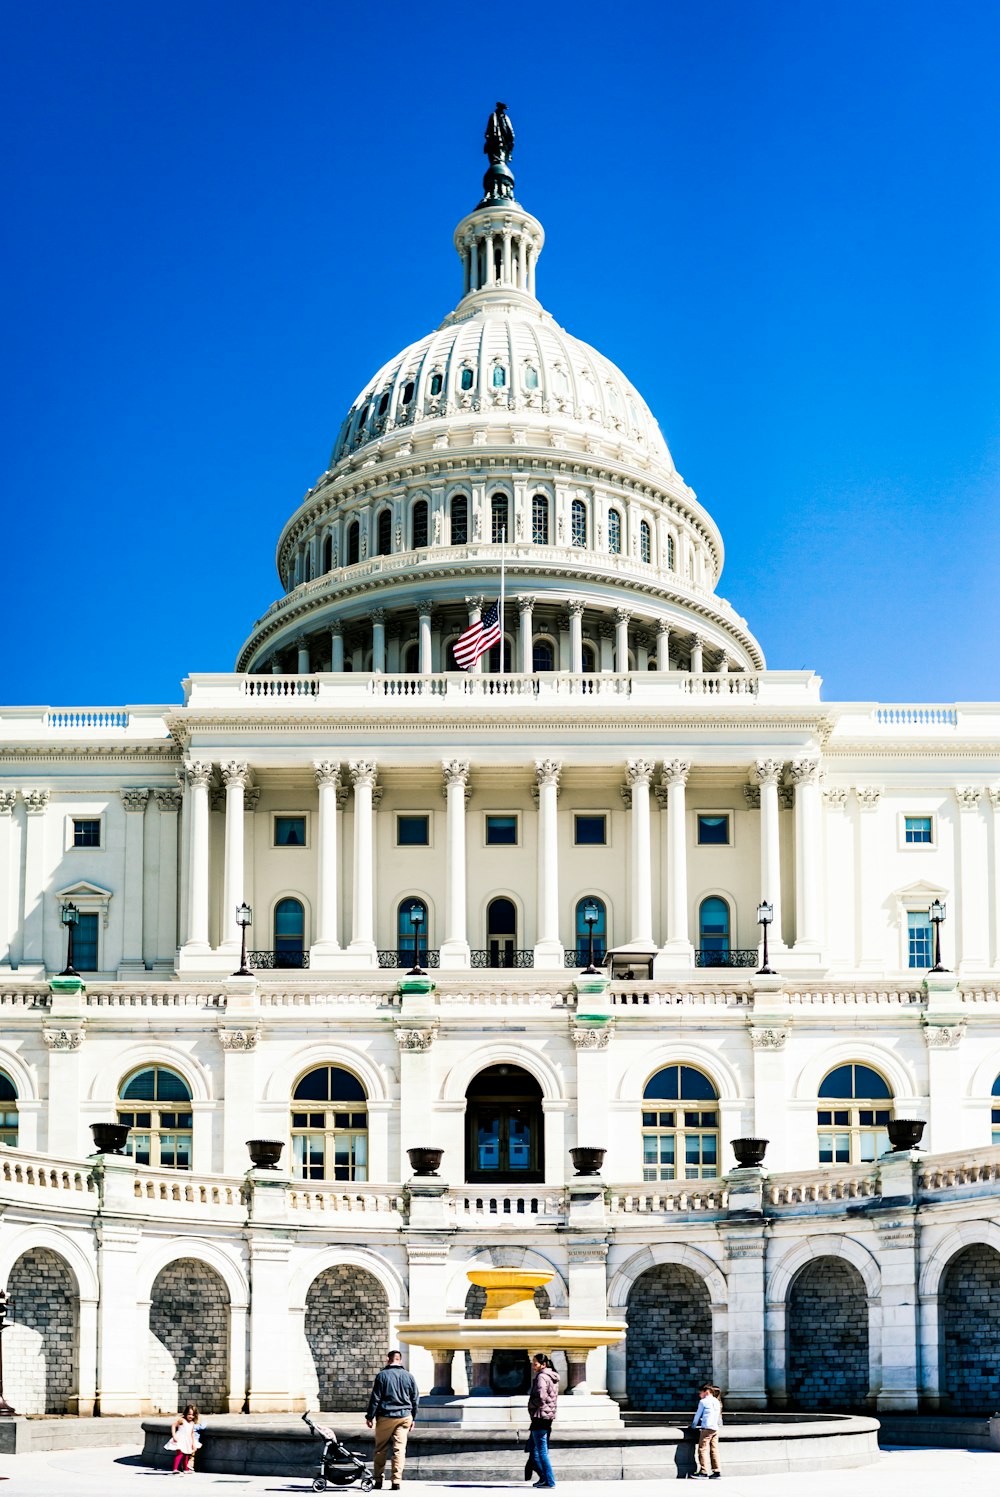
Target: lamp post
(416, 913)
(70, 918)
(765, 914)
(937, 915)
(591, 915)
(244, 917)
(6, 1412)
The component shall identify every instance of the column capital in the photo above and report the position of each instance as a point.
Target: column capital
(168, 800)
(251, 798)
(622, 615)
(547, 772)
(35, 801)
(525, 602)
(455, 771)
(476, 602)
(198, 772)
(575, 607)
(337, 627)
(8, 800)
(235, 773)
(994, 794)
(301, 642)
(377, 616)
(675, 772)
(868, 796)
(835, 796)
(363, 772)
(639, 771)
(327, 772)
(134, 799)
(968, 797)
(804, 771)
(766, 771)
(425, 608)
(697, 640)
(662, 626)
(606, 629)
(751, 794)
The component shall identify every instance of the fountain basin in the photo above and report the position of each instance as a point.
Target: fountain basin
(576, 1336)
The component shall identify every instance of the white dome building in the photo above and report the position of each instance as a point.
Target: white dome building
(625, 779)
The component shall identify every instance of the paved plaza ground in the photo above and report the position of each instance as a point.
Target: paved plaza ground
(898, 1473)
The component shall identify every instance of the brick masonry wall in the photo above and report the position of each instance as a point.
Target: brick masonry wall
(827, 1337)
(668, 1348)
(347, 1337)
(40, 1346)
(969, 1312)
(188, 1347)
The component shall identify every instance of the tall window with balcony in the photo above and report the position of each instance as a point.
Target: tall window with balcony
(680, 1126)
(614, 532)
(289, 933)
(155, 1104)
(855, 1105)
(418, 524)
(411, 935)
(504, 1127)
(329, 1126)
(501, 933)
(8, 1111)
(919, 939)
(460, 520)
(578, 523)
(713, 933)
(540, 520)
(645, 542)
(582, 952)
(384, 532)
(499, 524)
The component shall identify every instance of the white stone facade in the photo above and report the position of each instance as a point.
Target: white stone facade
(634, 698)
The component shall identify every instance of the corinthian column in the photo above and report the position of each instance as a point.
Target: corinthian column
(135, 802)
(640, 772)
(455, 947)
(575, 610)
(622, 617)
(677, 951)
(235, 776)
(426, 661)
(8, 881)
(377, 618)
(327, 774)
(198, 773)
(363, 775)
(766, 773)
(548, 947)
(808, 858)
(525, 604)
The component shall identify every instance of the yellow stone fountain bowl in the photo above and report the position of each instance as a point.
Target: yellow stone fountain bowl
(510, 1292)
(547, 1335)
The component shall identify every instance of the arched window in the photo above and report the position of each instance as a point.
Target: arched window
(996, 1111)
(504, 1127)
(578, 524)
(411, 937)
(645, 542)
(8, 1111)
(671, 553)
(853, 1129)
(353, 543)
(499, 526)
(460, 520)
(437, 384)
(542, 656)
(540, 520)
(155, 1103)
(499, 377)
(411, 658)
(494, 657)
(329, 1126)
(583, 930)
(614, 532)
(289, 933)
(328, 554)
(383, 533)
(713, 933)
(501, 933)
(680, 1126)
(418, 523)
(307, 568)
(589, 658)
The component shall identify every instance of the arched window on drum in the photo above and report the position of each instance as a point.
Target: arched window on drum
(680, 1126)
(155, 1105)
(329, 1126)
(460, 520)
(540, 520)
(578, 523)
(585, 906)
(419, 525)
(855, 1106)
(8, 1111)
(614, 532)
(353, 543)
(713, 933)
(384, 532)
(289, 933)
(645, 542)
(500, 525)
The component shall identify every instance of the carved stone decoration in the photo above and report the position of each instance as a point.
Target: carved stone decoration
(134, 800)
(835, 796)
(8, 800)
(235, 772)
(639, 771)
(675, 771)
(456, 772)
(411, 1038)
(625, 792)
(575, 607)
(425, 608)
(768, 1039)
(868, 796)
(251, 798)
(327, 772)
(362, 772)
(803, 771)
(525, 602)
(968, 797)
(547, 772)
(343, 794)
(751, 794)
(786, 797)
(597, 1038)
(377, 616)
(239, 1039)
(994, 794)
(216, 797)
(62, 1039)
(766, 772)
(35, 801)
(168, 800)
(622, 615)
(944, 1036)
(475, 604)
(198, 771)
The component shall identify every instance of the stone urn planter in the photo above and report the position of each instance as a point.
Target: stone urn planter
(425, 1162)
(109, 1138)
(749, 1151)
(265, 1153)
(904, 1133)
(587, 1161)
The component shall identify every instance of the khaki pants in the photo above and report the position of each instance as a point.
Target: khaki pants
(708, 1449)
(391, 1432)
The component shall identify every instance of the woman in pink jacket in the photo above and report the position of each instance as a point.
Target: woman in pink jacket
(542, 1408)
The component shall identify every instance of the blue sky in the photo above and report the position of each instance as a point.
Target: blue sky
(780, 219)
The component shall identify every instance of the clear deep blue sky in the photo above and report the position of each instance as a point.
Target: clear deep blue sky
(780, 218)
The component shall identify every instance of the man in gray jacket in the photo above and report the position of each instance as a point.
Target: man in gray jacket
(392, 1409)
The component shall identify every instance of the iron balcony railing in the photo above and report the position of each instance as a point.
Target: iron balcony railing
(737, 956)
(279, 960)
(506, 957)
(579, 956)
(395, 958)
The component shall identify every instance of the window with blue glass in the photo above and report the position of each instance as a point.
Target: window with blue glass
(86, 831)
(713, 829)
(590, 829)
(500, 527)
(501, 831)
(578, 523)
(413, 831)
(411, 934)
(330, 1126)
(437, 384)
(919, 938)
(499, 377)
(459, 520)
(614, 532)
(468, 379)
(289, 831)
(419, 524)
(289, 932)
(918, 831)
(583, 929)
(155, 1104)
(713, 928)
(540, 520)
(85, 943)
(853, 1130)
(531, 377)
(680, 1126)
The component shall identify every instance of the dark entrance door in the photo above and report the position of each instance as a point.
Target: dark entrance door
(504, 1127)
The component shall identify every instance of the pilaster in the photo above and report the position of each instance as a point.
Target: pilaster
(134, 801)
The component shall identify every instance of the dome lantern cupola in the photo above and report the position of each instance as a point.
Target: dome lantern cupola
(499, 243)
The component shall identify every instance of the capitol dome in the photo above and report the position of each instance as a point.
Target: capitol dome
(500, 439)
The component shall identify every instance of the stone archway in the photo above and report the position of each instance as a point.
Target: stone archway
(41, 1345)
(668, 1346)
(827, 1330)
(188, 1357)
(347, 1336)
(969, 1328)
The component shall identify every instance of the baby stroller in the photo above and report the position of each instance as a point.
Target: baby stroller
(338, 1466)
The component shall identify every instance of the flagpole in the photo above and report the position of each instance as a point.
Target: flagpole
(503, 546)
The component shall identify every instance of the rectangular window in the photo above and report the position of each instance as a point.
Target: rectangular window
(919, 938)
(917, 830)
(501, 831)
(996, 1125)
(289, 831)
(85, 943)
(86, 831)
(590, 830)
(413, 831)
(713, 829)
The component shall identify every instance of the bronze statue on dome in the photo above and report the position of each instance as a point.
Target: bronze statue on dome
(498, 183)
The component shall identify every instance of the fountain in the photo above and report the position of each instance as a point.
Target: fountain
(511, 1324)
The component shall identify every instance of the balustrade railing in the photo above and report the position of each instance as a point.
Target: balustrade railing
(511, 1205)
(507, 957)
(394, 958)
(284, 961)
(737, 956)
(667, 1198)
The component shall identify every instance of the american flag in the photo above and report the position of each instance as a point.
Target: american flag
(478, 638)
